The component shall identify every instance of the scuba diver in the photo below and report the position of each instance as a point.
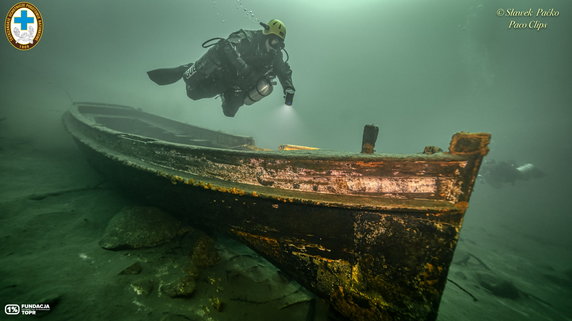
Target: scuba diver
(240, 69)
(499, 173)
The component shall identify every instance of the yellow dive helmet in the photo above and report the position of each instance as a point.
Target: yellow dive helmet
(275, 27)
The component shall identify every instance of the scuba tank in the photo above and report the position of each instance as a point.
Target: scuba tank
(262, 89)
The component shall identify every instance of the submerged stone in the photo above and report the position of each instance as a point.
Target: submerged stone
(217, 304)
(182, 287)
(142, 287)
(205, 253)
(140, 227)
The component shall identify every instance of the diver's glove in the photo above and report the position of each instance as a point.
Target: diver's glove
(289, 96)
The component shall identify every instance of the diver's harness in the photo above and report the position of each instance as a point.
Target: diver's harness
(264, 85)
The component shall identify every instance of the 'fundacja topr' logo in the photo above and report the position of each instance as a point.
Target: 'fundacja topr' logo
(24, 26)
(26, 309)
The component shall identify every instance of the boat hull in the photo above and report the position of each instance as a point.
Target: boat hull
(370, 262)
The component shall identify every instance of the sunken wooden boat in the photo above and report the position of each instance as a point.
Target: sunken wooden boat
(374, 234)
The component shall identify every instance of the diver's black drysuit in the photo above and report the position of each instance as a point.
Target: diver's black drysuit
(231, 68)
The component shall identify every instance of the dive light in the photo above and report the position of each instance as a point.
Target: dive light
(289, 96)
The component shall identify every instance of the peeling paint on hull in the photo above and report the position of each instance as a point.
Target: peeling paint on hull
(373, 234)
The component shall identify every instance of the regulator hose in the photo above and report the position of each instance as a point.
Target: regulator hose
(206, 44)
(287, 55)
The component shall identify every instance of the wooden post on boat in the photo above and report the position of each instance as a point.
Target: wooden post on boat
(369, 137)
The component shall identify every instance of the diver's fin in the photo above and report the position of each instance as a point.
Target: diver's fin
(167, 76)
